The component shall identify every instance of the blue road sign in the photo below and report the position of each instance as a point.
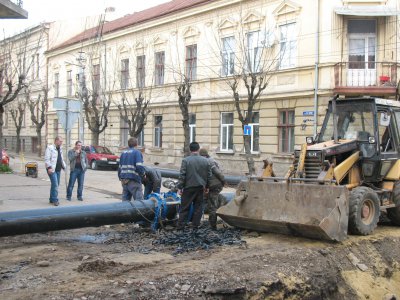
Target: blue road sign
(308, 113)
(247, 130)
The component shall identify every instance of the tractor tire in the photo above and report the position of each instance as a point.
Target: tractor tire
(394, 212)
(93, 165)
(364, 211)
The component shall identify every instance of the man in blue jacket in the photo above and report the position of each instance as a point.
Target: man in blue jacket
(131, 171)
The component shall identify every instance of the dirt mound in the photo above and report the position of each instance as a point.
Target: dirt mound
(98, 265)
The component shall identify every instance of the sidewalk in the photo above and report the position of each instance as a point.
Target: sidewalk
(19, 192)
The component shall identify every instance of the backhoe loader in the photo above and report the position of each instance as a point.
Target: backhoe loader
(339, 183)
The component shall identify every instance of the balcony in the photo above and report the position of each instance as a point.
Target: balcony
(371, 78)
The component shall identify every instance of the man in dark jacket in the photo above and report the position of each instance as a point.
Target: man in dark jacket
(194, 179)
(217, 183)
(152, 181)
(131, 171)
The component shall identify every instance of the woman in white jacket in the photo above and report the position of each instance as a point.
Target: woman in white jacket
(54, 162)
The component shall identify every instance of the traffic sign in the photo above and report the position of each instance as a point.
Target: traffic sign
(68, 111)
(247, 130)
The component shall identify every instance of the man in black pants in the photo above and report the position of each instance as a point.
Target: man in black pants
(194, 179)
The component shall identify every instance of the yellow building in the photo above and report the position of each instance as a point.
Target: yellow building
(308, 51)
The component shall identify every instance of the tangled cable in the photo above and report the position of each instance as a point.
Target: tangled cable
(201, 238)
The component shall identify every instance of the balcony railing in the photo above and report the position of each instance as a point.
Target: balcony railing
(372, 77)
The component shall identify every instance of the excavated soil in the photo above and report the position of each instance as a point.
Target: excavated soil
(129, 262)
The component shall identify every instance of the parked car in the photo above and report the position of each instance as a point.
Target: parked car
(101, 157)
(5, 159)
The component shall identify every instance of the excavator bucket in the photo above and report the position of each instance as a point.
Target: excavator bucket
(307, 209)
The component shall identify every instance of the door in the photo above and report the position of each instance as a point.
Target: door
(362, 53)
(35, 144)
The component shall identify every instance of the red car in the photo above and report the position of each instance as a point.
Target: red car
(5, 159)
(101, 157)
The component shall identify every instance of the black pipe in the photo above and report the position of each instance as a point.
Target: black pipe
(230, 179)
(70, 217)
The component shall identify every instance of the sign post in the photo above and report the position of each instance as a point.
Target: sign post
(68, 112)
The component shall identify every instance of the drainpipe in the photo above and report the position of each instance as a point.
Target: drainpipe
(316, 73)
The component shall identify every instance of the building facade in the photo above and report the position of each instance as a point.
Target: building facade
(24, 55)
(308, 50)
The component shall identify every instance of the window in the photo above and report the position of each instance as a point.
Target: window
(124, 74)
(69, 83)
(96, 78)
(56, 84)
(226, 142)
(33, 66)
(254, 51)
(192, 127)
(140, 139)
(288, 46)
(5, 118)
(159, 68)
(158, 131)
(228, 56)
(286, 131)
(55, 128)
(124, 133)
(37, 66)
(140, 71)
(22, 65)
(255, 132)
(191, 62)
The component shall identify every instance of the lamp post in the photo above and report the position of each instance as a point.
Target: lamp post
(81, 59)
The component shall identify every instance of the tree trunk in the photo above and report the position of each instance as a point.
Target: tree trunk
(186, 134)
(1, 127)
(39, 136)
(1, 130)
(249, 157)
(95, 138)
(18, 141)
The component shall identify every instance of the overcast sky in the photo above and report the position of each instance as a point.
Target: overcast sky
(51, 10)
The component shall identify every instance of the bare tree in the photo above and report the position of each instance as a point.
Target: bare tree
(184, 71)
(38, 108)
(17, 55)
(96, 111)
(247, 74)
(17, 114)
(184, 97)
(135, 115)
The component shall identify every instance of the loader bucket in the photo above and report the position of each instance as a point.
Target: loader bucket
(310, 210)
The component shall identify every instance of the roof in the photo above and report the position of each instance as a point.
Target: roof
(134, 19)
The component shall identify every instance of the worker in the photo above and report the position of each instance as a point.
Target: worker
(151, 181)
(217, 183)
(194, 180)
(131, 171)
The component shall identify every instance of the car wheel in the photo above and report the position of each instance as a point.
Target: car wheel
(93, 165)
(364, 211)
